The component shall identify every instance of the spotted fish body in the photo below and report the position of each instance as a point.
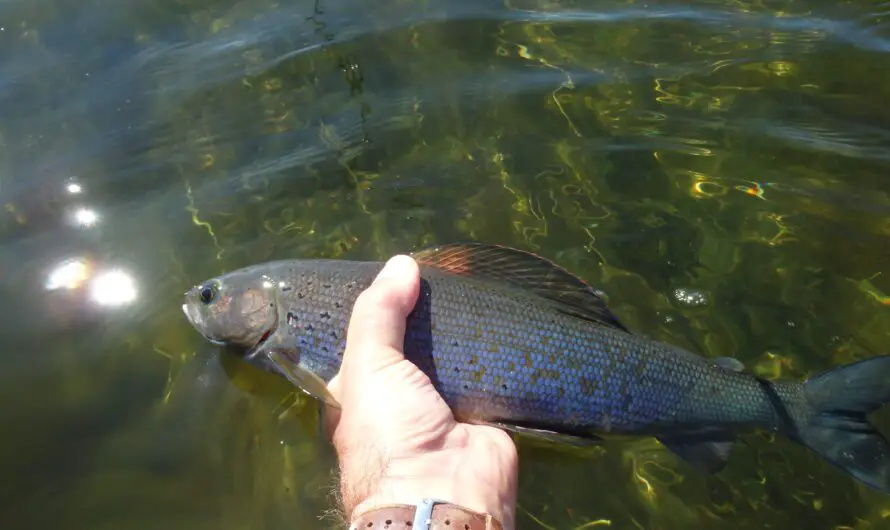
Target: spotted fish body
(510, 339)
(496, 355)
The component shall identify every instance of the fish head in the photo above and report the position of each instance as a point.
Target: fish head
(238, 310)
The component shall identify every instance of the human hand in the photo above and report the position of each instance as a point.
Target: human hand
(396, 438)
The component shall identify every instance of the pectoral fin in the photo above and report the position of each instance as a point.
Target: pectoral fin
(306, 381)
(272, 355)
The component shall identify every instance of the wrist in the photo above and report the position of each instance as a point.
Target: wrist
(411, 492)
(451, 486)
(428, 514)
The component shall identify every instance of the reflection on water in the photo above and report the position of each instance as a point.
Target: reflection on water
(86, 217)
(70, 274)
(718, 168)
(113, 288)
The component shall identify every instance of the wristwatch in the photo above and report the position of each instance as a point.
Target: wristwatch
(428, 514)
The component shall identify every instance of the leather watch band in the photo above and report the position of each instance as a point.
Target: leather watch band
(443, 516)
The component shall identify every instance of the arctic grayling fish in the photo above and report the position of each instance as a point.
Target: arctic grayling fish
(513, 340)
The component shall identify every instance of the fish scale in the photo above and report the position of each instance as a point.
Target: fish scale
(512, 340)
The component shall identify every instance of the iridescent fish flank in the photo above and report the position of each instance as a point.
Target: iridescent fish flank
(510, 339)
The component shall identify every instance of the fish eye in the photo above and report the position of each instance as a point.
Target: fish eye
(208, 293)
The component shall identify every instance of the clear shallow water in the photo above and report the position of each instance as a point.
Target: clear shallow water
(718, 168)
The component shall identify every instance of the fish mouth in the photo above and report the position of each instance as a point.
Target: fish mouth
(193, 315)
(194, 318)
(188, 315)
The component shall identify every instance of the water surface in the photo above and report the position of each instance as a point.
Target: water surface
(719, 168)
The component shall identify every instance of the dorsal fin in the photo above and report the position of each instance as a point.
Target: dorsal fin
(523, 270)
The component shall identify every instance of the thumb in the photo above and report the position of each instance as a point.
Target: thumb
(376, 334)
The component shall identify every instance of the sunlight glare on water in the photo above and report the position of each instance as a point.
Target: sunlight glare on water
(113, 288)
(110, 287)
(69, 274)
(86, 217)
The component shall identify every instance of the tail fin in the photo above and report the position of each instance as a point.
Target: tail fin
(839, 430)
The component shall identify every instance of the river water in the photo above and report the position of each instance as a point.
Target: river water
(719, 168)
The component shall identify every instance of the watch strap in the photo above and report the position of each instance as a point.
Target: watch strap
(428, 514)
